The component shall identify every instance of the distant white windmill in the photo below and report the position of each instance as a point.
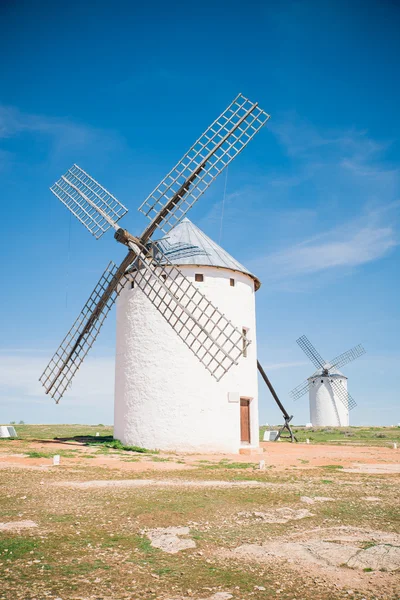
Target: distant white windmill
(330, 401)
(163, 396)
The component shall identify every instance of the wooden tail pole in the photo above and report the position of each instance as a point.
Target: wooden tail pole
(286, 416)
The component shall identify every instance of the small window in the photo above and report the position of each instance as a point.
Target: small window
(199, 277)
(132, 284)
(244, 342)
(322, 381)
(232, 282)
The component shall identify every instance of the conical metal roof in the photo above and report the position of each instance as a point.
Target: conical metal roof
(332, 371)
(186, 244)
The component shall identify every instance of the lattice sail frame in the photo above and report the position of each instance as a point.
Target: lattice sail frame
(212, 338)
(205, 160)
(340, 392)
(80, 338)
(301, 389)
(347, 357)
(89, 201)
(311, 352)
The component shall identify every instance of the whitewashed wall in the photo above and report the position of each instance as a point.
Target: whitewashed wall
(325, 408)
(164, 397)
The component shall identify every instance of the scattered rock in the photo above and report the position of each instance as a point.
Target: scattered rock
(17, 525)
(169, 539)
(277, 515)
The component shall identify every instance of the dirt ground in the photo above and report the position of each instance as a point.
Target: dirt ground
(279, 456)
(318, 522)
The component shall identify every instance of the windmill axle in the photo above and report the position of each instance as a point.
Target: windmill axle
(124, 237)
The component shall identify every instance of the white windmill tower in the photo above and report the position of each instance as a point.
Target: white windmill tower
(330, 401)
(163, 396)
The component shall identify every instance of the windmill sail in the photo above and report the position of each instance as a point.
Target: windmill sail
(343, 395)
(212, 338)
(90, 202)
(168, 204)
(311, 352)
(69, 356)
(347, 357)
(300, 390)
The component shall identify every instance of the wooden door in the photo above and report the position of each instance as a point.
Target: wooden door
(244, 420)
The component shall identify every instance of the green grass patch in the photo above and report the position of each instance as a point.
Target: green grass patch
(108, 441)
(18, 547)
(364, 436)
(81, 568)
(40, 454)
(226, 464)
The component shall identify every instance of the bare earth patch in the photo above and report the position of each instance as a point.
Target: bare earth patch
(378, 468)
(169, 539)
(372, 499)
(217, 596)
(315, 499)
(160, 483)
(341, 554)
(277, 515)
(17, 525)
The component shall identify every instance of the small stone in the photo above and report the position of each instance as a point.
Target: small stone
(260, 588)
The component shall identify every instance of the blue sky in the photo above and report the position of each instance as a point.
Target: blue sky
(312, 205)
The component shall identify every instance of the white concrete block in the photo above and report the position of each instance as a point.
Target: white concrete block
(270, 436)
(4, 433)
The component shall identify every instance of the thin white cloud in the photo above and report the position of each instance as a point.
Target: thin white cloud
(342, 247)
(20, 372)
(64, 133)
(354, 249)
(302, 140)
(344, 171)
